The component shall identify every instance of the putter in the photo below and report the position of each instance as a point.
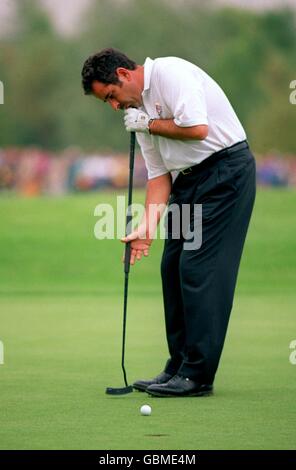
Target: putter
(127, 253)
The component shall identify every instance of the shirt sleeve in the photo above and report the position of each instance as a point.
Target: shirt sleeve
(183, 92)
(152, 157)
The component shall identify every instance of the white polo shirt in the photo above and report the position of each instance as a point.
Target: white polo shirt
(176, 89)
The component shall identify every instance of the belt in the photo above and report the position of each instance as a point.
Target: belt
(216, 156)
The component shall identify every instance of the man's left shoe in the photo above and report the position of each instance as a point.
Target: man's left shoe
(179, 386)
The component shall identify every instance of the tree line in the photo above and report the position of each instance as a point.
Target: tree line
(251, 55)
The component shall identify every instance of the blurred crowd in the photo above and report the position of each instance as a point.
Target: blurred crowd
(31, 171)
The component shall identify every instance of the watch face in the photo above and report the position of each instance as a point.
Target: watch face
(158, 108)
(149, 124)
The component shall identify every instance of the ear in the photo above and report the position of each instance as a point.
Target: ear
(123, 73)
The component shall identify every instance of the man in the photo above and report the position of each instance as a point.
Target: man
(185, 123)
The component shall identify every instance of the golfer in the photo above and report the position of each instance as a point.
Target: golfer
(185, 126)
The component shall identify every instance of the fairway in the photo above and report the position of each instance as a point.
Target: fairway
(61, 294)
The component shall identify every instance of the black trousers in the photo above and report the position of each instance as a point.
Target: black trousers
(199, 283)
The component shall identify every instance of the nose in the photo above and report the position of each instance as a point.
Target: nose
(114, 104)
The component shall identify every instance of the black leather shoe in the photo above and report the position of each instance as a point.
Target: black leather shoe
(142, 385)
(179, 386)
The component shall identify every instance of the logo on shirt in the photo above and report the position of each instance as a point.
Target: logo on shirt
(158, 108)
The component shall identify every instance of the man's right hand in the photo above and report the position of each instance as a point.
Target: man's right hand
(157, 195)
(139, 244)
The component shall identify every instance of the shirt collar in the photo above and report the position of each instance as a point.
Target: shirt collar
(148, 65)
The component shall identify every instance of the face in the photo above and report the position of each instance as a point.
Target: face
(122, 95)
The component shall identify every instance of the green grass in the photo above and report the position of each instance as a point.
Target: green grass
(60, 322)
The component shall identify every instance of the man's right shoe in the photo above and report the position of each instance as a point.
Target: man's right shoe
(142, 385)
(180, 386)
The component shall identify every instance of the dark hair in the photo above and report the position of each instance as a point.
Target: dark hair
(102, 67)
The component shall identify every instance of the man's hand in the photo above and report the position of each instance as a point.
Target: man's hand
(139, 245)
(136, 120)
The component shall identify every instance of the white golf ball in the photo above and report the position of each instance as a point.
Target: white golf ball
(146, 410)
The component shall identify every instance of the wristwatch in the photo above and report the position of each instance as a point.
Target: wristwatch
(149, 124)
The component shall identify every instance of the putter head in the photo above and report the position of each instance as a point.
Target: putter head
(119, 391)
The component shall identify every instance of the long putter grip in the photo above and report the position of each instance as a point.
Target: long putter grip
(127, 253)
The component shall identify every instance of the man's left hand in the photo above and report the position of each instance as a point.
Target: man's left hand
(136, 120)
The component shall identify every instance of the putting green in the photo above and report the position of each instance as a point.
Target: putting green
(61, 313)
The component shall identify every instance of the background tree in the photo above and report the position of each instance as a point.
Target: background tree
(252, 56)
